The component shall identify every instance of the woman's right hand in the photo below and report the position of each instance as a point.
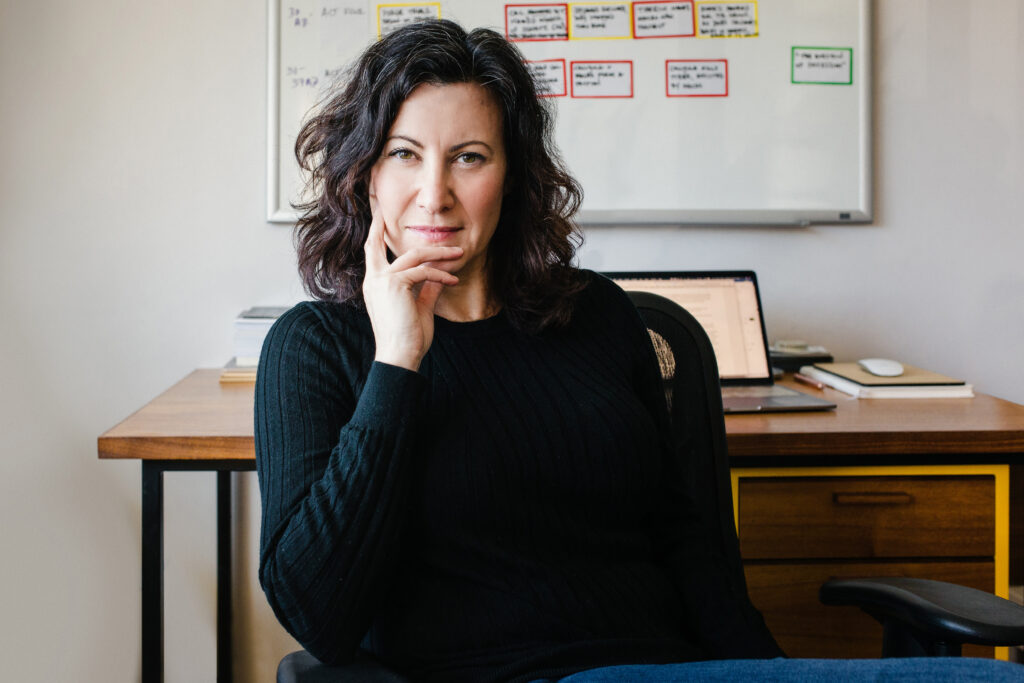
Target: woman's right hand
(401, 296)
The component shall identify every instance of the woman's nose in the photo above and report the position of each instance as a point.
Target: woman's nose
(435, 192)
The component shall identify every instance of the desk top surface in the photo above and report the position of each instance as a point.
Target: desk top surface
(201, 419)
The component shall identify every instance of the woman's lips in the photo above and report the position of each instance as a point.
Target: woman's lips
(433, 233)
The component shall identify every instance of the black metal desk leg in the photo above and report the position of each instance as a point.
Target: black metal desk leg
(225, 673)
(152, 572)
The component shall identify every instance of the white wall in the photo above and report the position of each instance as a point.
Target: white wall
(131, 200)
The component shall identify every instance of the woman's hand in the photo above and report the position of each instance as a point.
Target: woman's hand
(401, 296)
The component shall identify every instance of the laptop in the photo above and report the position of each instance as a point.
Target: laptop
(728, 305)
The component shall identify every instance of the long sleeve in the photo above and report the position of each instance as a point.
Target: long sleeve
(513, 508)
(333, 450)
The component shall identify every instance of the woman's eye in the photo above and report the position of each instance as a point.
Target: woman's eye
(401, 153)
(470, 158)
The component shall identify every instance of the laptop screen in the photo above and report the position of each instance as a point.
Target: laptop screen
(727, 305)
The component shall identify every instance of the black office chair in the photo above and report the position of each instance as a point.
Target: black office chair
(920, 617)
(692, 389)
(925, 618)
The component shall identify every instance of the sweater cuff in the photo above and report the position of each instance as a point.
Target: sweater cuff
(390, 394)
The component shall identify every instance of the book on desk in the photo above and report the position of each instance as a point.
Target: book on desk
(849, 378)
(233, 372)
(250, 329)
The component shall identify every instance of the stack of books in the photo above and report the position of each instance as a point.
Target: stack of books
(851, 379)
(251, 327)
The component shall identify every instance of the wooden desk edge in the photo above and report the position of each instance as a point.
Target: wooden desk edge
(795, 435)
(875, 443)
(176, 448)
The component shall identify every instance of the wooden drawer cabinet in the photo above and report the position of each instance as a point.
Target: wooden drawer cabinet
(800, 527)
(866, 517)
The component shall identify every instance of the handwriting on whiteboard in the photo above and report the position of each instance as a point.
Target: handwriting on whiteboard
(727, 19)
(390, 18)
(602, 79)
(597, 21)
(549, 76)
(537, 22)
(826, 65)
(696, 78)
(662, 19)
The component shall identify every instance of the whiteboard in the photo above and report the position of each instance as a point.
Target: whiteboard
(692, 112)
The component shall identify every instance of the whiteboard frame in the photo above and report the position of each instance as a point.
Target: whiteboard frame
(862, 213)
(275, 213)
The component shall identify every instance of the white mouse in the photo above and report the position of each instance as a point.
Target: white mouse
(881, 367)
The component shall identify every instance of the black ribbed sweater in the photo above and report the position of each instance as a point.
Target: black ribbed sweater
(506, 511)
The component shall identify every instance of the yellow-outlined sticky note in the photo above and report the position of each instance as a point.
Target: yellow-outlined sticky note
(600, 20)
(398, 19)
(727, 19)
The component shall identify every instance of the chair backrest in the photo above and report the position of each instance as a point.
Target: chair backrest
(694, 395)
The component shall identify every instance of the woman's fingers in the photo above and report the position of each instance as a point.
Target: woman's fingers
(415, 257)
(429, 293)
(401, 296)
(425, 273)
(376, 250)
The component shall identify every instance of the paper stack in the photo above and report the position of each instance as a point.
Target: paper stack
(251, 327)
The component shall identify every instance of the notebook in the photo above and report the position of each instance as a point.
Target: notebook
(728, 305)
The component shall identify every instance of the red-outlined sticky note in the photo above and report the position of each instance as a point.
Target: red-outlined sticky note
(600, 21)
(549, 76)
(697, 77)
(537, 22)
(664, 19)
(723, 19)
(393, 16)
(602, 78)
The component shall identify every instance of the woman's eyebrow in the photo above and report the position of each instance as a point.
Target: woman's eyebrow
(406, 138)
(469, 143)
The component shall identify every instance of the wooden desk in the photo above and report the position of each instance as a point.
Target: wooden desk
(877, 487)
(200, 424)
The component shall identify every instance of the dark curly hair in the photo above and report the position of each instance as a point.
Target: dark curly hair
(530, 257)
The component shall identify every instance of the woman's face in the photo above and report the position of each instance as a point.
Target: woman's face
(440, 178)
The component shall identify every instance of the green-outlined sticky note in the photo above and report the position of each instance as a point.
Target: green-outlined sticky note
(822, 65)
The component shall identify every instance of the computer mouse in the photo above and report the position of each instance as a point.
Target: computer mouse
(881, 367)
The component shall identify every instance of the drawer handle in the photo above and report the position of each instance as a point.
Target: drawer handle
(873, 498)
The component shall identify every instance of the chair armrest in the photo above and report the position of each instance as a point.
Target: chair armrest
(939, 610)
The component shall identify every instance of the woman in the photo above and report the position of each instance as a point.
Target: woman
(462, 446)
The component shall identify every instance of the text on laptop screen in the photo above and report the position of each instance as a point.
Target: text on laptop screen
(726, 307)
